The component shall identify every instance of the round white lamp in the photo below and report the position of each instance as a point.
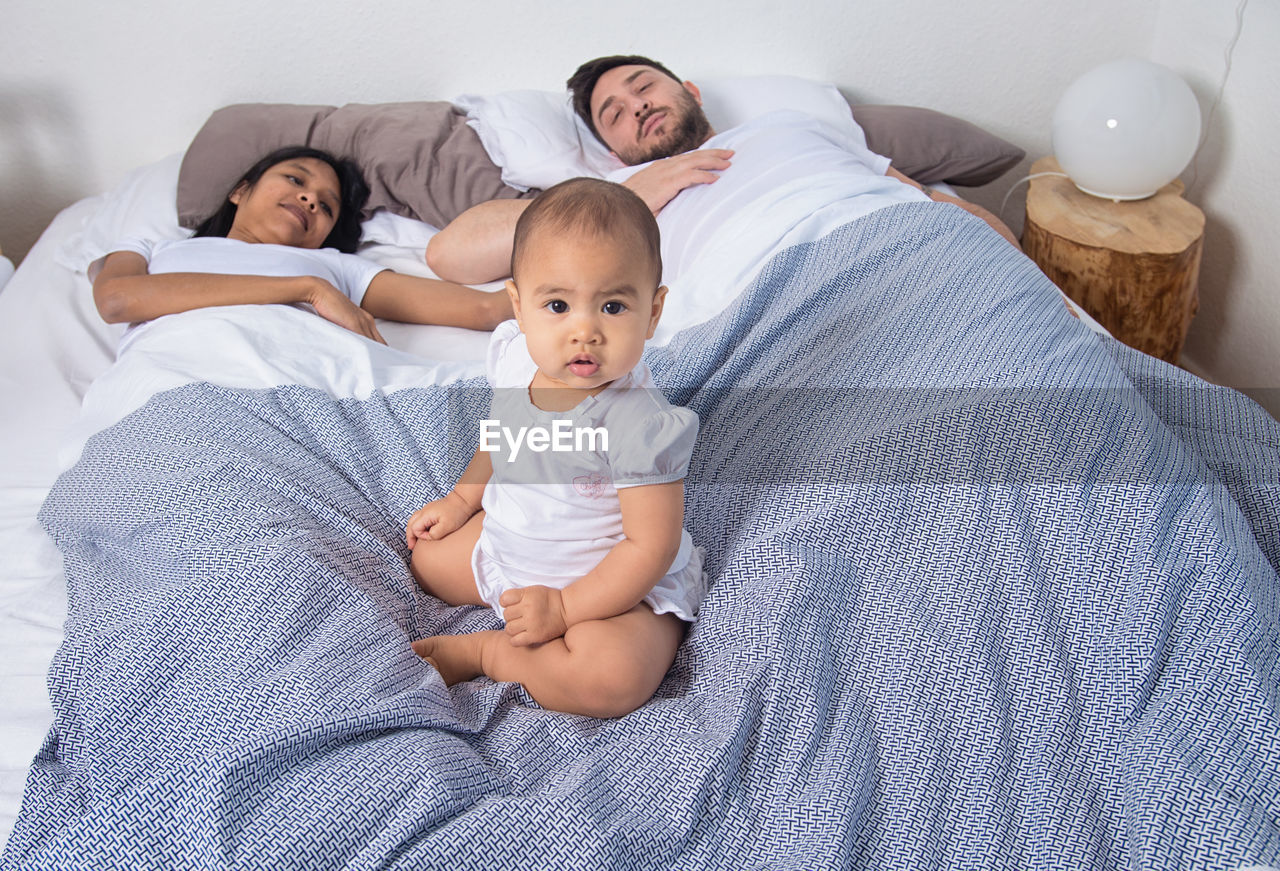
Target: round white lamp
(1126, 129)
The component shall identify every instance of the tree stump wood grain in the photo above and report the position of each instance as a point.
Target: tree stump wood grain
(1133, 265)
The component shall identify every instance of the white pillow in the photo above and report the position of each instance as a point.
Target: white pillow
(535, 137)
(387, 228)
(733, 101)
(538, 140)
(144, 205)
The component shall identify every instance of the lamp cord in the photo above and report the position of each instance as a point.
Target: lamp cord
(1008, 194)
(1227, 54)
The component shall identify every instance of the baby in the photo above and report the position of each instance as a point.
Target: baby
(569, 519)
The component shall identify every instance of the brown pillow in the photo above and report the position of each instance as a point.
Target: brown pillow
(932, 147)
(421, 160)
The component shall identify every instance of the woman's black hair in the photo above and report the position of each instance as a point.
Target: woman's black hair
(353, 191)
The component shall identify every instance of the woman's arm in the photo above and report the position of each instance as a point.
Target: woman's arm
(126, 293)
(652, 520)
(972, 208)
(414, 300)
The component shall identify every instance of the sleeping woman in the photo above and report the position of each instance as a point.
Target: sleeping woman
(274, 241)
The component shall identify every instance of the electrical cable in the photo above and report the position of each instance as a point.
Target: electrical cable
(1009, 193)
(1228, 55)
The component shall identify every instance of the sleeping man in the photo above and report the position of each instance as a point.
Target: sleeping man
(698, 182)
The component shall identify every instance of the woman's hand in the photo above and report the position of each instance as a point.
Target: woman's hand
(334, 306)
(533, 614)
(437, 519)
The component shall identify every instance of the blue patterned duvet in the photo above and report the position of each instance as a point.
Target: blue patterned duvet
(988, 591)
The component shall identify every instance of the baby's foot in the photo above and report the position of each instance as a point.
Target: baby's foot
(456, 657)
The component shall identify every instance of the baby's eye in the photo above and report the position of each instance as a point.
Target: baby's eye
(558, 306)
(328, 210)
(614, 307)
(294, 179)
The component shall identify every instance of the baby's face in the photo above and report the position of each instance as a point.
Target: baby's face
(586, 306)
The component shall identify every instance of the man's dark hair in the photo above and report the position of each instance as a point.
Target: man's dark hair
(592, 206)
(583, 81)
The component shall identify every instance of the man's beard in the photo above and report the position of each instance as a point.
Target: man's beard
(691, 130)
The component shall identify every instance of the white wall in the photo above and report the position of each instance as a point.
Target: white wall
(90, 91)
(1236, 334)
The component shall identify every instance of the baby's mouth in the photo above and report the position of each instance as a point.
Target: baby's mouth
(583, 365)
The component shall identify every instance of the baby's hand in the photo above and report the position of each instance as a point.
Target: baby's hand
(434, 521)
(533, 614)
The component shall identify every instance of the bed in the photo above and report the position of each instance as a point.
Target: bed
(988, 588)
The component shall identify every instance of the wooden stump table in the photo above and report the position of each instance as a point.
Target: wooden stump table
(1133, 265)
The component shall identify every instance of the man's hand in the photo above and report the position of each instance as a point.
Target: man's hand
(659, 182)
(533, 614)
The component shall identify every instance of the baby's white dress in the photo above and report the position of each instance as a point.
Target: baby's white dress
(552, 515)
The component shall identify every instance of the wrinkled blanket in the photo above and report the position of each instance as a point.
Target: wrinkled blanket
(988, 591)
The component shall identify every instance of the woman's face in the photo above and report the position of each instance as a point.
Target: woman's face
(294, 203)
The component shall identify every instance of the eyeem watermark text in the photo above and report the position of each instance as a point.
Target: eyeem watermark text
(562, 435)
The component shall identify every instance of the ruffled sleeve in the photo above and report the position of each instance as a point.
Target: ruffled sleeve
(655, 452)
(507, 362)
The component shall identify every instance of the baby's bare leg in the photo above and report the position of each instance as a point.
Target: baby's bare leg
(443, 567)
(457, 657)
(600, 668)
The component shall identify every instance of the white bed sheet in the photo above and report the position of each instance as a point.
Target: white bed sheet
(52, 344)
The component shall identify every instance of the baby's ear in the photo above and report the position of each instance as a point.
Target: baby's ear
(514, 295)
(659, 299)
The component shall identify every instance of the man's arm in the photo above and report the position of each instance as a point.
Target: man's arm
(476, 246)
(972, 208)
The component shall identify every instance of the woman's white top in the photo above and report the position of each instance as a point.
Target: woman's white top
(220, 256)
